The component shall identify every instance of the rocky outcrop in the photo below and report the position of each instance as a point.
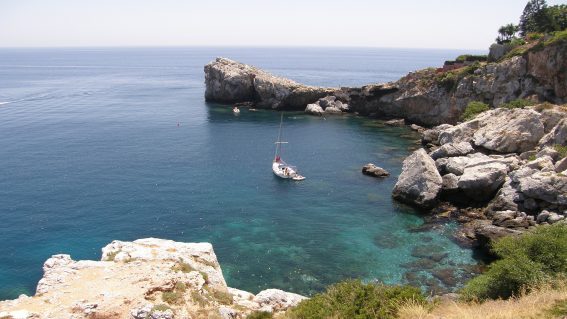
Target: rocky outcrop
(420, 182)
(147, 278)
(230, 82)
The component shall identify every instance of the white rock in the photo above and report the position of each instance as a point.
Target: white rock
(420, 182)
(277, 300)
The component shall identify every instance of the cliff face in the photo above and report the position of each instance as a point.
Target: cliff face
(424, 97)
(147, 278)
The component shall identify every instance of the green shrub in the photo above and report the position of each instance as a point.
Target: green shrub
(525, 260)
(260, 315)
(471, 58)
(517, 104)
(354, 299)
(473, 109)
(534, 36)
(561, 149)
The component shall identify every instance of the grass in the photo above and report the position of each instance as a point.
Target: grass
(175, 296)
(545, 302)
(205, 276)
(543, 106)
(473, 109)
(199, 299)
(112, 255)
(260, 315)
(222, 297)
(182, 267)
(517, 104)
(556, 37)
(561, 149)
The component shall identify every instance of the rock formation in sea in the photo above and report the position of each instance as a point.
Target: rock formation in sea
(146, 278)
(427, 97)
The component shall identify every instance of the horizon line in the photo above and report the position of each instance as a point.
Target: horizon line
(233, 46)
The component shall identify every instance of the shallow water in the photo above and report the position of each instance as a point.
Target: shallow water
(91, 151)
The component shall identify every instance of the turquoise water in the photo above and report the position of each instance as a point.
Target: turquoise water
(91, 152)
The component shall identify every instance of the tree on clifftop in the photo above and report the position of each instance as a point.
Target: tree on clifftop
(533, 17)
(506, 33)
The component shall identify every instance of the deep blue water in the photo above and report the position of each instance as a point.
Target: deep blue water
(90, 151)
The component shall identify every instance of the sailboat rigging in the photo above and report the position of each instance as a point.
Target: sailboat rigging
(281, 168)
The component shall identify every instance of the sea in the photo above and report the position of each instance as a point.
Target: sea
(103, 144)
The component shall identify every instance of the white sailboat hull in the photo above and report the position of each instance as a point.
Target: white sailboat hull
(285, 171)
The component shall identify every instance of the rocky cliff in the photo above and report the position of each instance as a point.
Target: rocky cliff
(428, 97)
(148, 278)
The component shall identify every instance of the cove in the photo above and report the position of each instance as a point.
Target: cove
(91, 152)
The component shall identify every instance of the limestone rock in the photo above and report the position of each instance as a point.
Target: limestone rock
(131, 280)
(561, 165)
(200, 256)
(509, 131)
(229, 81)
(273, 300)
(396, 122)
(550, 152)
(558, 135)
(452, 149)
(314, 109)
(482, 180)
(420, 182)
(373, 170)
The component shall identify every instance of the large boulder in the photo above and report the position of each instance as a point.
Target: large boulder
(420, 182)
(481, 181)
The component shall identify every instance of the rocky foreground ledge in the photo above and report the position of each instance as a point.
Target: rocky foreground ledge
(426, 97)
(148, 278)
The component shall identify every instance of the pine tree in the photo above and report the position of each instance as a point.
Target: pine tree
(534, 17)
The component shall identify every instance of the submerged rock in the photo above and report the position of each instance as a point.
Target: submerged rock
(373, 170)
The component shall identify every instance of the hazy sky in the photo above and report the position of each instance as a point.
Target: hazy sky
(463, 24)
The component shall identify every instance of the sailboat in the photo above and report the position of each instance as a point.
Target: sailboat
(281, 168)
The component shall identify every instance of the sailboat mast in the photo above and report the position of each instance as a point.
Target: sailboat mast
(279, 142)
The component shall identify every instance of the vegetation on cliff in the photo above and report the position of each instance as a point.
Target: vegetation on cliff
(354, 299)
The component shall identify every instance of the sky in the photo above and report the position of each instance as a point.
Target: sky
(456, 24)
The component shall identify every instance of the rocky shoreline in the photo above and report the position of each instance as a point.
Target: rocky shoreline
(147, 278)
(427, 97)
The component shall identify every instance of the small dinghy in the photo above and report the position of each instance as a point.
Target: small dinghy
(279, 167)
